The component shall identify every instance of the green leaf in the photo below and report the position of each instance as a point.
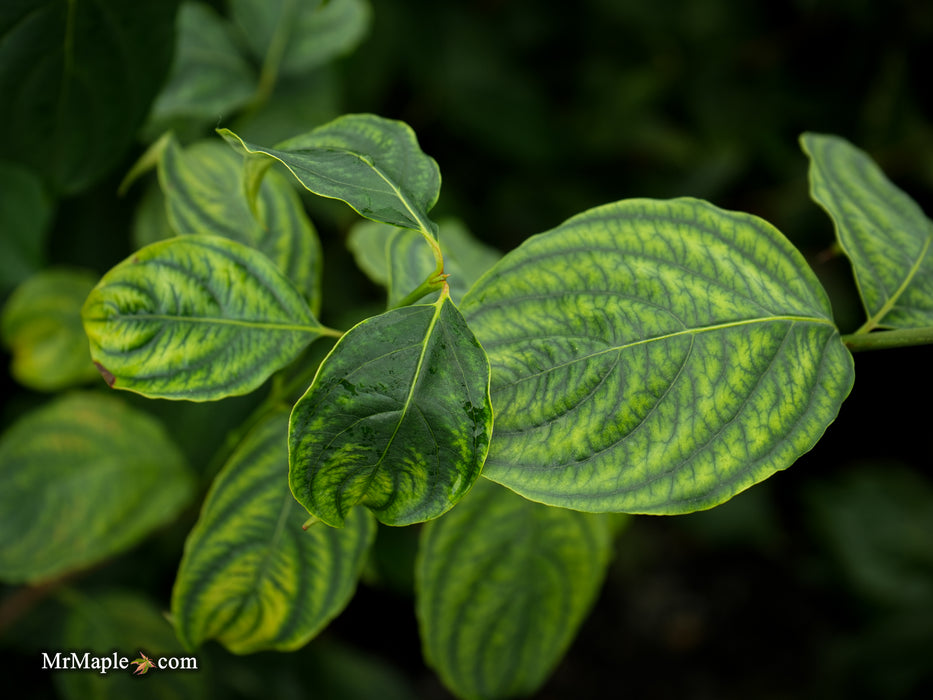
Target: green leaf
(398, 259)
(368, 242)
(251, 577)
(502, 587)
(298, 101)
(655, 357)
(298, 36)
(209, 78)
(880, 228)
(150, 220)
(398, 418)
(25, 214)
(81, 479)
(373, 164)
(41, 324)
(114, 621)
(70, 114)
(195, 317)
(204, 191)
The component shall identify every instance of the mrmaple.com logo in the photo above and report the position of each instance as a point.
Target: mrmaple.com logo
(86, 661)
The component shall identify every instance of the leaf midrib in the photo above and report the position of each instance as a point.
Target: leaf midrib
(413, 211)
(260, 572)
(675, 334)
(403, 412)
(209, 320)
(876, 319)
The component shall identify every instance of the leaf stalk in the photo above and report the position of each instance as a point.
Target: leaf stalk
(882, 340)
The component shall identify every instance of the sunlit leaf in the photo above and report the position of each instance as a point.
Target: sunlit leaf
(655, 357)
(205, 193)
(398, 258)
(251, 577)
(881, 229)
(41, 324)
(71, 115)
(81, 479)
(209, 78)
(502, 586)
(126, 624)
(398, 419)
(373, 164)
(298, 36)
(195, 317)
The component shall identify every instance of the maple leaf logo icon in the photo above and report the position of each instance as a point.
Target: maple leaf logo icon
(143, 664)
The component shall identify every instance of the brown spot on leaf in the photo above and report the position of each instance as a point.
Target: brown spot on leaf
(105, 373)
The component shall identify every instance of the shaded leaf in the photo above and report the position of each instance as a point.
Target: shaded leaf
(72, 114)
(205, 194)
(127, 624)
(195, 317)
(655, 357)
(502, 587)
(373, 164)
(298, 36)
(41, 324)
(150, 220)
(339, 672)
(399, 260)
(251, 577)
(398, 419)
(876, 522)
(880, 228)
(25, 214)
(209, 78)
(81, 479)
(298, 101)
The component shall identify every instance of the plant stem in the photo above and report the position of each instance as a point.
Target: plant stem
(433, 282)
(330, 332)
(436, 280)
(880, 340)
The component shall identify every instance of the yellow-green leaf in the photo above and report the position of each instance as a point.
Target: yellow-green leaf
(502, 586)
(398, 418)
(41, 324)
(251, 577)
(205, 193)
(655, 357)
(195, 317)
(81, 479)
(880, 228)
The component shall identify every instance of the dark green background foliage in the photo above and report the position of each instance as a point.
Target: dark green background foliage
(816, 583)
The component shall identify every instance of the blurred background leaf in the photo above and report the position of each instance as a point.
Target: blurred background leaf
(78, 80)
